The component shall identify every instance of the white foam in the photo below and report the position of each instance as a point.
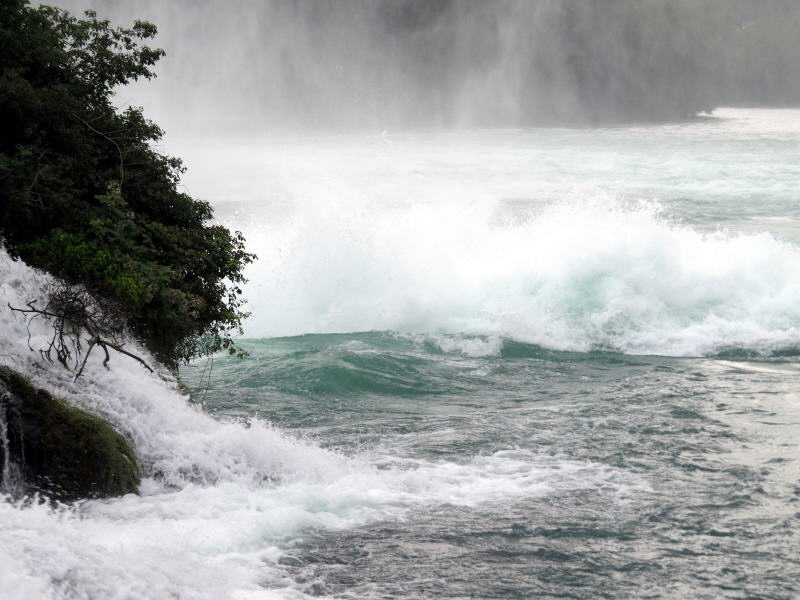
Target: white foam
(413, 239)
(534, 235)
(475, 346)
(574, 275)
(222, 502)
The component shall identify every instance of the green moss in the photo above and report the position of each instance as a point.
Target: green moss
(63, 451)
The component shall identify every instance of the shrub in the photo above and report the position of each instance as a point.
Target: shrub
(86, 197)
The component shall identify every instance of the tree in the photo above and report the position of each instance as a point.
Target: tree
(86, 197)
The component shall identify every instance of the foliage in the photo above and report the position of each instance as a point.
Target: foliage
(86, 197)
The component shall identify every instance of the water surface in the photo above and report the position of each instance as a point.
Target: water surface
(550, 363)
(589, 335)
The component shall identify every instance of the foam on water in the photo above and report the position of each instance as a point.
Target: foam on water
(640, 240)
(579, 274)
(447, 251)
(222, 502)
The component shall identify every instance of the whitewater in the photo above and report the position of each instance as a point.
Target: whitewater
(551, 363)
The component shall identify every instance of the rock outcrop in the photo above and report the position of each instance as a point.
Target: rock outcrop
(58, 450)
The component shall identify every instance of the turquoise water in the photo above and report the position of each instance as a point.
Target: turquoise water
(655, 477)
(571, 356)
(551, 363)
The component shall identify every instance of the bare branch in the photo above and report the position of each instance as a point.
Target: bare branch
(83, 364)
(74, 313)
(126, 353)
(113, 141)
(38, 170)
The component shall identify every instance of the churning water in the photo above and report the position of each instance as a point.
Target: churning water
(550, 363)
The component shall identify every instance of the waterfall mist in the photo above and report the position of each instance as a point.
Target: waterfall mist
(377, 64)
(488, 357)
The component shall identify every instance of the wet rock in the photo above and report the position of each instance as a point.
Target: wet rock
(58, 450)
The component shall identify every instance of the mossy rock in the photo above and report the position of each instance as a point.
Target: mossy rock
(59, 450)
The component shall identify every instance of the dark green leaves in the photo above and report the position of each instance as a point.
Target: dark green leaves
(84, 195)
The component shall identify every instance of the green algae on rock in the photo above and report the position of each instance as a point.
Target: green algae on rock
(58, 450)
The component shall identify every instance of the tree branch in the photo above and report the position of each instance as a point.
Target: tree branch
(113, 141)
(73, 312)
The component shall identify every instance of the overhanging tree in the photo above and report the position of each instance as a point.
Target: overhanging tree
(86, 197)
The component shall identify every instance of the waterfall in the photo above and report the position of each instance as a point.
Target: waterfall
(11, 482)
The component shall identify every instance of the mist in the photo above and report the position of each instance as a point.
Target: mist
(288, 64)
(523, 322)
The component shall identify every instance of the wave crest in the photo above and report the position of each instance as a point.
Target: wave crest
(579, 276)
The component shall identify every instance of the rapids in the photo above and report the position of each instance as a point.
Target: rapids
(552, 363)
